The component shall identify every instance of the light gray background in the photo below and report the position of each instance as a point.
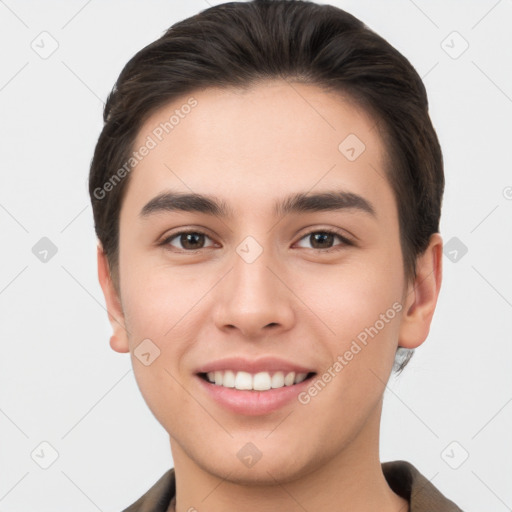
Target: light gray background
(61, 383)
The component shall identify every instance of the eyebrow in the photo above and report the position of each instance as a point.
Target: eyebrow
(296, 203)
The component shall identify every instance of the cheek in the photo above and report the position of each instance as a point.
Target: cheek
(159, 316)
(158, 298)
(362, 309)
(359, 304)
(351, 296)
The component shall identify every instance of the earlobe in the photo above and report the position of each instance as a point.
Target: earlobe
(119, 345)
(119, 338)
(421, 297)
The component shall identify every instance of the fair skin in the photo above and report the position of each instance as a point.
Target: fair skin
(250, 149)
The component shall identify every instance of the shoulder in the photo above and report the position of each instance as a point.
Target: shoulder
(406, 481)
(158, 497)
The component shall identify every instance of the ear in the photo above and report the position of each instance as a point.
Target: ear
(119, 338)
(421, 296)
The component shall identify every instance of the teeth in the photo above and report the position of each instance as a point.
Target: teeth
(228, 379)
(288, 380)
(243, 380)
(261, 381)
(278, 380)
(300, 377)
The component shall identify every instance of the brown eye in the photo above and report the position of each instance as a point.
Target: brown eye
(188, 240)
(323, 240)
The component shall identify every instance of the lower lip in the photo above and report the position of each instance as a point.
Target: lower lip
(253, 403)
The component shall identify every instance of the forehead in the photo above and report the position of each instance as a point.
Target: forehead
(270, 139)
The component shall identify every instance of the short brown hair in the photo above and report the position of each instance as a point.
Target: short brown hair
(238, 44)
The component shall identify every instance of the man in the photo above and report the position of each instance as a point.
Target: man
(266, 192)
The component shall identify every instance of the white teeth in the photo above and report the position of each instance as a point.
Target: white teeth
(243, 380)
(261, 381)
(300, 377)
(288, 380)
(229, 379)
(278, 380)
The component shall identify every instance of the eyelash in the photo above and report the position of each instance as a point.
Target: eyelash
(345, 241)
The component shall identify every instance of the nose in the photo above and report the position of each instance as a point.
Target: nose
(254, 299)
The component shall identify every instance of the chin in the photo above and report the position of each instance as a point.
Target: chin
(246, 465)
(263, 473)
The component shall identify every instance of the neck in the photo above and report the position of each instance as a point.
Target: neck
(351, 480)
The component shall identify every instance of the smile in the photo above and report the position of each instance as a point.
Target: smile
(261, 381)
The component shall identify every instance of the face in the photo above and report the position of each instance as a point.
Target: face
(264, 281)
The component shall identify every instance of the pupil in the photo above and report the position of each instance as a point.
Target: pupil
(189, 240)
(322, 238)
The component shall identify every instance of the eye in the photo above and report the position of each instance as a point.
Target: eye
(188, 240)
(324, 239)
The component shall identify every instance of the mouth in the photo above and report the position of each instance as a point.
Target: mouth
(253, 394)
(253, 387)
(261, 381)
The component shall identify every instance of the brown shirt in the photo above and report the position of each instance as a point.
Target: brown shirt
(402, 477)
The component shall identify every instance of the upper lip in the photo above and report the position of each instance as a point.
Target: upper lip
(263, 364)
